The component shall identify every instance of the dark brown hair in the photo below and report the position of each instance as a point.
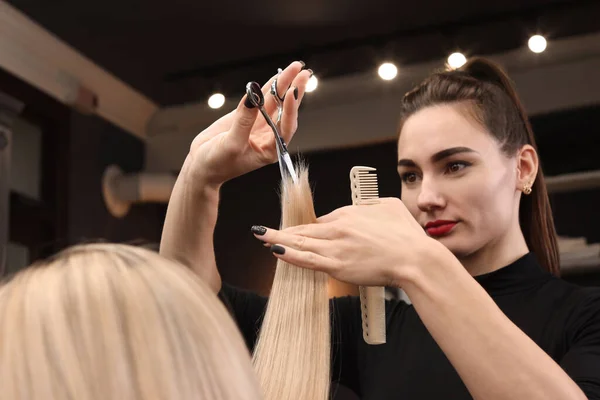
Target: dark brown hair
(496, 106)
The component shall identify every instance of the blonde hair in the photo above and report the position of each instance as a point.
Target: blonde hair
(292, 356)
(107, 321)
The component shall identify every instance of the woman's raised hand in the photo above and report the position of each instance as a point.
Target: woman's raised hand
(239, 142)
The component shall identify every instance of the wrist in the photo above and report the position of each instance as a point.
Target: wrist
(198, 182)
(432, 261)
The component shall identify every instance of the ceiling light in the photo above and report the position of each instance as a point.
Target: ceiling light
(456, 60)
(387, 71)
(537, 43)
(312, 84)
(216, 101)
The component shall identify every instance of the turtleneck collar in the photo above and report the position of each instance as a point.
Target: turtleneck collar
(520, 275)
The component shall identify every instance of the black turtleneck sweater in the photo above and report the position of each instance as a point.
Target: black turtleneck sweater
(562, 318)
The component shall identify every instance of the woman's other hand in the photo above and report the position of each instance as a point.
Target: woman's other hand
(367, 245)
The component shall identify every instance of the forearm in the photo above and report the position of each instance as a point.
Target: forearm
(493, 357)
(190, 224)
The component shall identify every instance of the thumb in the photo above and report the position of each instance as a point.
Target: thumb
(243, 121)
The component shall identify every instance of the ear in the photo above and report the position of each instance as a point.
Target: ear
(527, 167)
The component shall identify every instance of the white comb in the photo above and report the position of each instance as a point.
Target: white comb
(365, 190)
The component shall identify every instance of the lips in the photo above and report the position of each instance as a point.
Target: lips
(439, 227)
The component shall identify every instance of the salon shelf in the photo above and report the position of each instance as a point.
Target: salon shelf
(580, 265)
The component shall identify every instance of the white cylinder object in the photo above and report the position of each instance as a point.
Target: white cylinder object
(121, 191)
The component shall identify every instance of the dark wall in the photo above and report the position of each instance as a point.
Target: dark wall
(96, 144)
(568, 143)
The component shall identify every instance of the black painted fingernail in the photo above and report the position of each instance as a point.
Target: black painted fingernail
(311, 72)
(277, 249)
(296, 93)
(258, 230)
(303, 64)
(248, 103)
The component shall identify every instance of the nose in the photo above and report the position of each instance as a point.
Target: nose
(430, 197)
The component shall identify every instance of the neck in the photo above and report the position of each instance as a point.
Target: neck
(496, 254)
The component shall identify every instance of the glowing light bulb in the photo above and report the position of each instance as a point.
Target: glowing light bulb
(216, 101)
(456, 60)
(537, 43)
(387, 71)
(312, 84)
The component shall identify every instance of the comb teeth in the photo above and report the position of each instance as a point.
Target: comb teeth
(364, 184)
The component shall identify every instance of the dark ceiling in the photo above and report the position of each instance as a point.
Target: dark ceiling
(179, 51)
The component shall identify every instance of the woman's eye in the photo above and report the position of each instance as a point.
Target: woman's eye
(409, 177)
(456, 166)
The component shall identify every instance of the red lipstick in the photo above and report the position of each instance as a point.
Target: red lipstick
(439, 227)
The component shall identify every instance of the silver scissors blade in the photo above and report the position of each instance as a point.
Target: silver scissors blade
(254, 93)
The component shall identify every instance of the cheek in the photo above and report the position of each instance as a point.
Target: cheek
(409, 198)
(487, 205)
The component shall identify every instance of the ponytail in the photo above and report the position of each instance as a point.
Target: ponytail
(535, 213)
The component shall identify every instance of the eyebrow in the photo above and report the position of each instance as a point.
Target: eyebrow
(437, 157)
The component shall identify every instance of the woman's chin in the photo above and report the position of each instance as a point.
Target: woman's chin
(457, 245)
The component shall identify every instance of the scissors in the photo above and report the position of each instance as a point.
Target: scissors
(256, 97)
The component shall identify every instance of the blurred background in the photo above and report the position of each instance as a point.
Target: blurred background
(99, 101)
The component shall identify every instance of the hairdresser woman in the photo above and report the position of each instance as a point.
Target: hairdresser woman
(472, 243)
